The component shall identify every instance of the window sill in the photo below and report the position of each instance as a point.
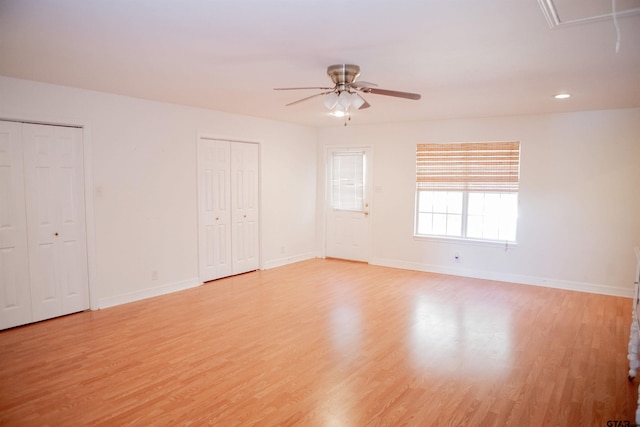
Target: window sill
(460, 241)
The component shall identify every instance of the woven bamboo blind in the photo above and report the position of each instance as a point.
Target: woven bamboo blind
(477, 166)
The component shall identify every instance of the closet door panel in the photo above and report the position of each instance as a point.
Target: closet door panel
(54, 188)
(244, 187)
(71, 204)
(15, 295)
(222, 207)
(214, 209)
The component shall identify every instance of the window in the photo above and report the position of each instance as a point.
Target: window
(347, 180)
(468, 190)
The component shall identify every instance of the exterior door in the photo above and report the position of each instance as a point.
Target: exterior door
(15, 293)
(244, 197)
(348, 205)
(214, 208)
(54, 189)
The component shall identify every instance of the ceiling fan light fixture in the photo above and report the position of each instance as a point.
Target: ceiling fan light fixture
(331, 100)
(356, 101)
(341, 102)
(345, 94)
(340, 107)
(344, 100)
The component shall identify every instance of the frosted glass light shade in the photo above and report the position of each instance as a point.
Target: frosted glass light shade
(356, 101)
(331, 100)
(344, 100)
(340, 103)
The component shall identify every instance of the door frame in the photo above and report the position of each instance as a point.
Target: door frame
(89, 211)
(204, 135)
(323, 185)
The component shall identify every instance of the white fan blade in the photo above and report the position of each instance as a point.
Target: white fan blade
(406, 95)
(360, 84)
(365, 105)
(299, 88)
(308, 97)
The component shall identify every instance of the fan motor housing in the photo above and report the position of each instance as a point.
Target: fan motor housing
(343, 74)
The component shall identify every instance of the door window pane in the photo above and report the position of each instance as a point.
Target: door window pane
(347, 181)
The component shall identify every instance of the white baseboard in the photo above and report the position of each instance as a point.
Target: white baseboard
(593, 288)
(279, 262)
(149, 293)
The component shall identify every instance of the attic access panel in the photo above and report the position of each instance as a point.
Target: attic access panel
(561, 12)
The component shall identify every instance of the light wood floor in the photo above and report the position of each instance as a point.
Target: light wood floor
(327, 343)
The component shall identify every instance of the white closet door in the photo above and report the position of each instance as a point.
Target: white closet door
(245, 215)
(214, 208)
(15, 295)
(54, 181)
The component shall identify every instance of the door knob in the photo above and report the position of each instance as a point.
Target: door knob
(217, 218)
(55, 234)
(366, 213)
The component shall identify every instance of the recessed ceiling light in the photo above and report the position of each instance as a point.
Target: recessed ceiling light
(562, 96)
(338, 113)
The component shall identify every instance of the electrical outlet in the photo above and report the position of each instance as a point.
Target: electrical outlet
(154, 275)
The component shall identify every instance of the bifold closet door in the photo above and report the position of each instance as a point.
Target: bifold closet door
(56, 231)
(214, 208)
(43, 251)
(245, 198)
(227, 208)
(15, 293)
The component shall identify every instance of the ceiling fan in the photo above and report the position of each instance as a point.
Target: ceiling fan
(346, 92)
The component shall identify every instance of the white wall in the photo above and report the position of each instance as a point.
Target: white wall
(142, 162)
(578, 219)
(579, 198)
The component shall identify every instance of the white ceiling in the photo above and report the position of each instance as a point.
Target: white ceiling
(468, 58)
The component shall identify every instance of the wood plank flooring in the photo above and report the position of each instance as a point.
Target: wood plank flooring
(327, 343)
